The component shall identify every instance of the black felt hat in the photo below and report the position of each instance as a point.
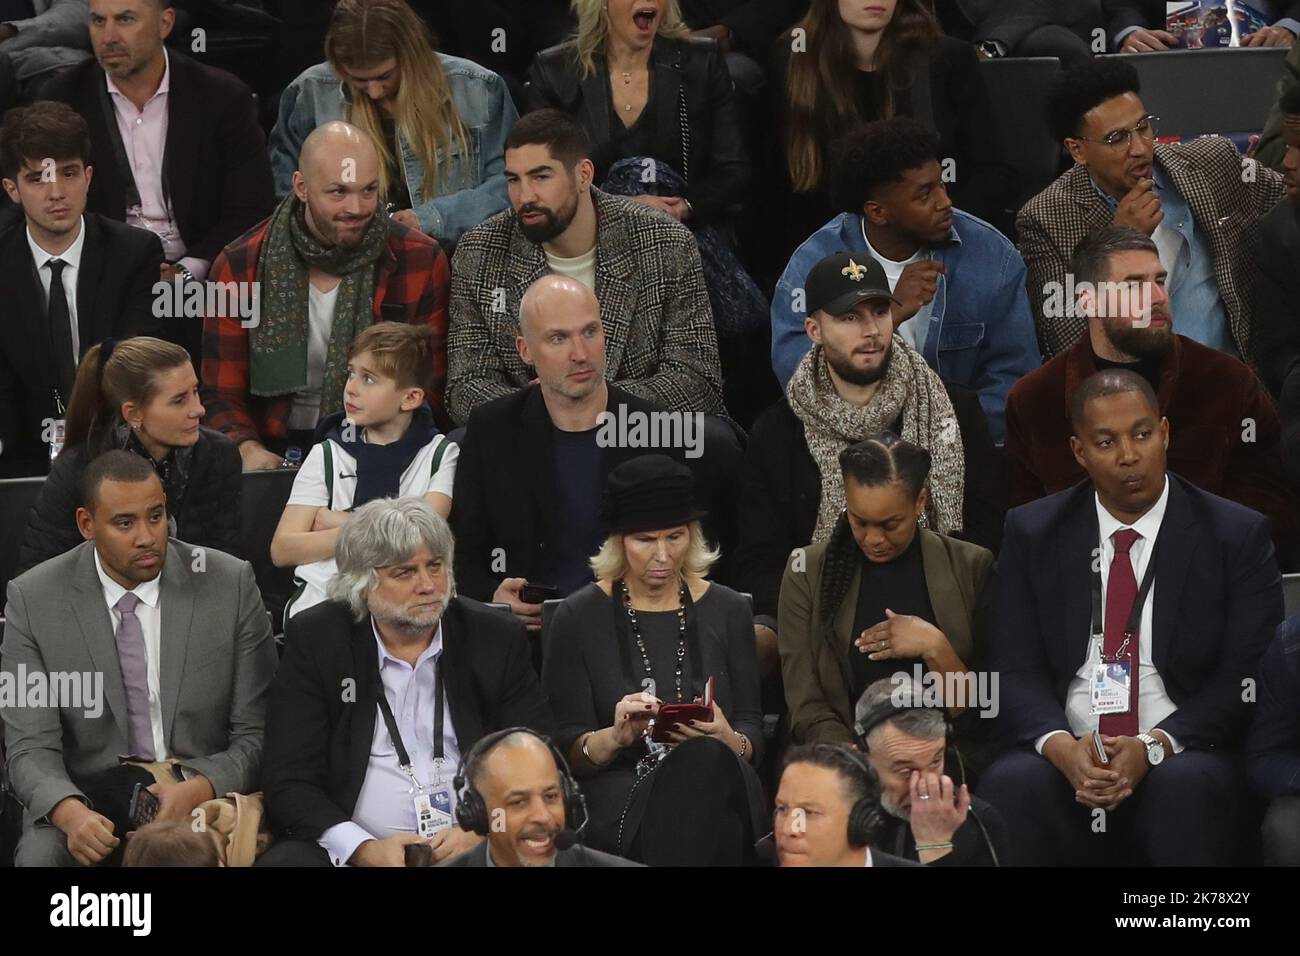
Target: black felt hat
(648, 493)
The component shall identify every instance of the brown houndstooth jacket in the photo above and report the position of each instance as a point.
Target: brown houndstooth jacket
(1211, 175)
(660, 344)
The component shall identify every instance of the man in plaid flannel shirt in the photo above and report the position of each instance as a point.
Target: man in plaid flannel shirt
(411, 282)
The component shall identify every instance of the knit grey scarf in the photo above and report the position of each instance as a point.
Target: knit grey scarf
(831, 424)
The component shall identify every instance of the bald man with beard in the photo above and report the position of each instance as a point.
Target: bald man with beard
(287, 297)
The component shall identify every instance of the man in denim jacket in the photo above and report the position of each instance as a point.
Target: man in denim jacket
(960, 281)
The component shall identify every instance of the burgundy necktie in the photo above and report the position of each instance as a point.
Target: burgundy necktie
(1121, 592)
(134, 661)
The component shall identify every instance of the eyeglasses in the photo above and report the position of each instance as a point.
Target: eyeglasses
(1145, 127)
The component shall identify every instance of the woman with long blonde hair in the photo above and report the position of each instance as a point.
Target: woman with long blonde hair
(140, 394)
(439, 122)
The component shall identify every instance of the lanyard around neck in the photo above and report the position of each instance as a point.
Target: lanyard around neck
(403, 757)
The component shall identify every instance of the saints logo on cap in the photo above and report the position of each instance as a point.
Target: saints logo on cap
(854, 271)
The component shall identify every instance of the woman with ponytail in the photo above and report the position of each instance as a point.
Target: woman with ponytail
(883, 594)
(140, 394)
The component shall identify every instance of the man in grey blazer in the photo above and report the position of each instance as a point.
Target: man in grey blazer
(177, 638)
(1199, 201)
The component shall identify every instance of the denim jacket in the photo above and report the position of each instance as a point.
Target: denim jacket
(981, 332)
(473, 190)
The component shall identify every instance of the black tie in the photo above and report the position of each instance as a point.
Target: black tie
(65, 366)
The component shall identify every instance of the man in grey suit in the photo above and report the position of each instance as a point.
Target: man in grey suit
(180, 643)
(516, 790)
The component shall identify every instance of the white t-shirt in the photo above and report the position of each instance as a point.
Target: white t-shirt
(582, 268)
(320, 319)
(914, 329)
(428, 471)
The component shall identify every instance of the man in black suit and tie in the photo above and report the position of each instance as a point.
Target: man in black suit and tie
(516, 789)
(105, 273)
(380, 691)
(1183, 594)
(178, 147)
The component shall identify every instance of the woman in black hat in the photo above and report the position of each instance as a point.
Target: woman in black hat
(652, 630)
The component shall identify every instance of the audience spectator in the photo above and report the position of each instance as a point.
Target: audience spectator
(1138, 26)
(828, 810)
(383, 444)
(908, 747)
(958, 282)
(1199, 201)
(321, 269)
(179, 152)
(858, 380)
(1277, 312)
(883, 596)
(667, 132)
(186, 682)
(643, 267)
(1273, 746)
(1067, 29)
(1158, 686)
(140, 394)
(38, 37)
(651, 631)
(173, 843)
(643, 88)
(1224, 431)
(438, 122)
(342, 769)
(515, 789)
(106, 272)
(541, 526)
(1273, 141)
(845, 64)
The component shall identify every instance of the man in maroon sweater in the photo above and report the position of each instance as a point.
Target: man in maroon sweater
(1224, 430)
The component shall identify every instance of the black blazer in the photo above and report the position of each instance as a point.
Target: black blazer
(115, 280)
(781, 490)
(318, 742)
(689, 72)
(574, 856)
(215, 163)
(207, 512)
(1218, 599)
(505, 484)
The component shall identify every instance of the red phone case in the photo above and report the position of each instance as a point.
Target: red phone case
(672, 714)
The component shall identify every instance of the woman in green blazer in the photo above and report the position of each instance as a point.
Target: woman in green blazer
(882, 595)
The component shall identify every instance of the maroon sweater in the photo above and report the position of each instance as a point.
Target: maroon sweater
(1207, 395)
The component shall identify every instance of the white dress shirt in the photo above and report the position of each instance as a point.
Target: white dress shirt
(306, 409)
(1154, 704)
(144, 138)
(149, 612)
(71, 256)
(385, 806)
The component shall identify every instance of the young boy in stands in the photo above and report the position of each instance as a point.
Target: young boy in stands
(383, 444)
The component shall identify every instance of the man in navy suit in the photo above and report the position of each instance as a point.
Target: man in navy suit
(1163, 670)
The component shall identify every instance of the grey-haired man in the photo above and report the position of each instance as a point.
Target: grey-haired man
(380, 691)
(930, 813)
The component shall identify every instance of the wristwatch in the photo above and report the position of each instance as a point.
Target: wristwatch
(1155, 749)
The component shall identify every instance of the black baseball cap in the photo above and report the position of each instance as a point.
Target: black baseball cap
(839, 282)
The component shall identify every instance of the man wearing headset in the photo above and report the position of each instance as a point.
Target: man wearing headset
(828, 810)
(930, 815)
(515, 788)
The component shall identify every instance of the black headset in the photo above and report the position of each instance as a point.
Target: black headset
(865, 816)
(471, 810)
(952, 762)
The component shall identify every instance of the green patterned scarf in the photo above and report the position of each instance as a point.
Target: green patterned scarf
(277, 360)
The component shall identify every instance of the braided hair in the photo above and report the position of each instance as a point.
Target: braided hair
(879, 460)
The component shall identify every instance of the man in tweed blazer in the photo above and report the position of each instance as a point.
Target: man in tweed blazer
(643, 265)
(1199, 201)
